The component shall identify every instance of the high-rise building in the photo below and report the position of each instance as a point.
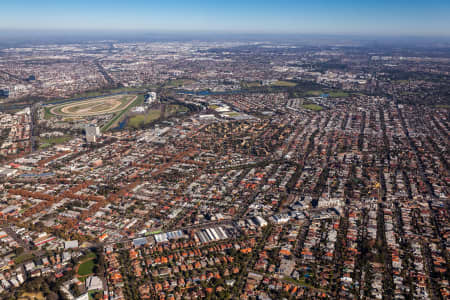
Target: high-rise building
(92, 133)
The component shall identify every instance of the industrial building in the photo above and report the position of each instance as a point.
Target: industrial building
(211, 234)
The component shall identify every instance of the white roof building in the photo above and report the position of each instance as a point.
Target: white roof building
(70, 244)
(94, 283)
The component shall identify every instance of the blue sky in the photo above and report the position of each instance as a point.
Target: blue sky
(382, 17)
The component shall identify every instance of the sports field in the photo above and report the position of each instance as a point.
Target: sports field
(86, 268)
(313, 107)
(284, 83)
(93, 107)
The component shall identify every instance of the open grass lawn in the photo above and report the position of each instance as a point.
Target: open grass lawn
(284, 83)
(94, 107)
(338, 94)
(154, 114)
(90, 255)
(47, 113)
(252, 84)
(313, 107)
(314, 93)
(232, 114)
(333, 94)
(23, 258)
(174, 108)
(86, 268)
(139, 120)
(48, 142)
(136, 121)
(76, 108)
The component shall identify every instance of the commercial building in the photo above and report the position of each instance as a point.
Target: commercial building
(92, 133)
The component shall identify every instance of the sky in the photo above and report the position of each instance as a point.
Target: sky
(371, 17)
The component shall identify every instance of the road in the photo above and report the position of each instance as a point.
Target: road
(14, 76)
(105, 74)
(26, 247)
(33, 129)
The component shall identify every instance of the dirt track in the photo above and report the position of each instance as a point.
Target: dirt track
(88, 107)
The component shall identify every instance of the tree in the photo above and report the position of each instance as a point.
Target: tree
(18, 251)
(52, 296)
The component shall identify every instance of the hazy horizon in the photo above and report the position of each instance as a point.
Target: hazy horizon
(374, 18)
(23, 38)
